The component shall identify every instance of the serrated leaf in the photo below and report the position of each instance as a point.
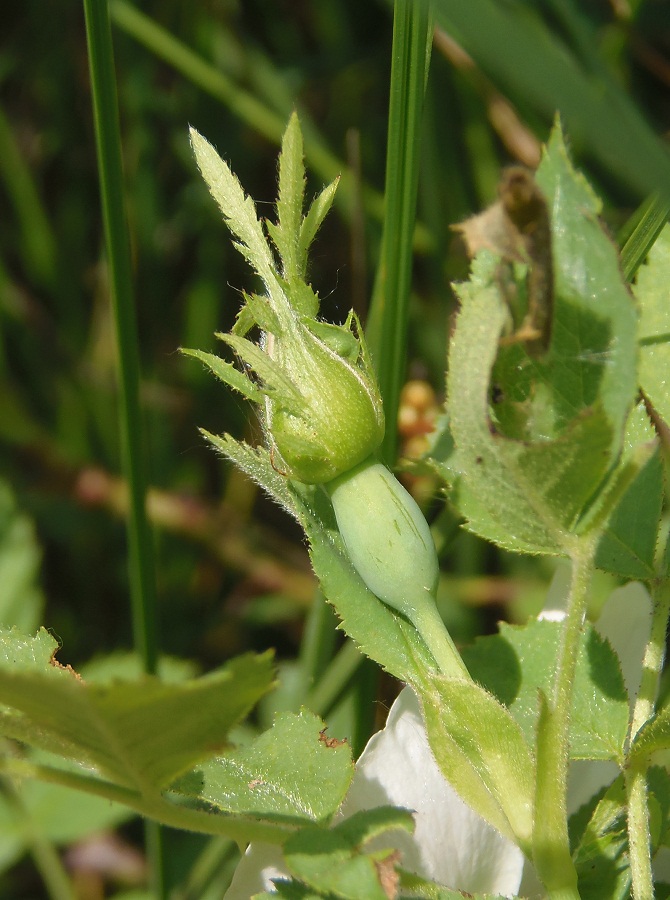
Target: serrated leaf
(21, 600)
(482, 752)
(336, 861)
(239, 211)
(416, 887)
(257, 464)
(290, 199)
(227, 373)
(290, 890)
(381, 634)
(652, 737)
(525, 497)
(244, 322)
(261, 311)
(317, 212)
(534, 446)
(520, 662)
(594, 344)
(141, 734)
(651, 292)
(601, 858)
(628, 544)
(30, 653)
(291, 773)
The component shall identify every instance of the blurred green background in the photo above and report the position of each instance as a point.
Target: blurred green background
(232, 570)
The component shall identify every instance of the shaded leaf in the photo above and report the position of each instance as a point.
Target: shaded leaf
(601, 858)
(628, 544)
(536, 435)
(651, 291)
(519, 663)
(142, 733)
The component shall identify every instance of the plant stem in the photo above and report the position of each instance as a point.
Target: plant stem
(551, 845)
(336, 678)
(428, 622)
(117, 242)
(105, 110)
(635, 776)
(649, 219)
(239, 828)
(44, 854)
(639, 835)
(387, 325)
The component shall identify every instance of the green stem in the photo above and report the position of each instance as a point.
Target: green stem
(647, 223)
(389, 314)
(241, 829)
(428, 622)
(335, 679)
(639, 833)
(318, 641)
(206, 869)
(635, 775)
(551, 845)
(44, 854)
(117, 242)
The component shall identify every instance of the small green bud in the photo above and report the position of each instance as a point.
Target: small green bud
(339, 419)
(390, 545)
(386, 535)
(321, 409)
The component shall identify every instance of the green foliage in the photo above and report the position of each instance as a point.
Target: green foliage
(566, 413)
(21, 599)
(518, 664)
(651, 294)
(602, 854)
(140, 734)
(263, 780)
(481, 751)
(547, 453)
(338, 861)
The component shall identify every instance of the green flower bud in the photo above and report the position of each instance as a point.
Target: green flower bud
(338, 419)
(390, 545)
(320, 406)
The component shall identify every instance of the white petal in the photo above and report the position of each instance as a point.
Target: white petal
(451, 844)
(626, 622)
(252, 876)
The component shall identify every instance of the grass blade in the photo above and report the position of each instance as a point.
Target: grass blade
(387, 326)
